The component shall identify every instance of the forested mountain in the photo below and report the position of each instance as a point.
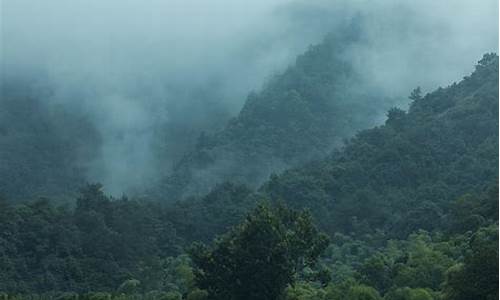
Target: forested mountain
(409, 210)
(299, 115)
(404, 176)
(394, 176)
(43, 149)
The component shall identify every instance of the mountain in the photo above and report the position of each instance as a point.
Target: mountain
(299, 115)
(410, 208)
(43, 148)
(399, 177)
(405, 175)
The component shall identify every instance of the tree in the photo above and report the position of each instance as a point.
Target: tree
(425, 265)
(129, 286)
(260, 257)
(378, 272)
(363, 292)
(197, 294)
(416, 94)
(477, 277)
(303, 291)
(407, 293)
(396, 118)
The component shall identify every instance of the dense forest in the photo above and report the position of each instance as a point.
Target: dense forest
(290, 121)
(404, 210)
(39, 154)
(272, 150)
(300, 114)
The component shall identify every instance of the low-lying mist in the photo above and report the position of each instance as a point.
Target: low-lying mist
(151, 75)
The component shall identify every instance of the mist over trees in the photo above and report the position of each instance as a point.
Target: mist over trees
(391, 237)
(300, 115)
(285, 150)
(151, 78)
(43, 148)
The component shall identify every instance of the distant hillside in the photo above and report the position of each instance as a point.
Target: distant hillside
(411, 208)
(42, 148)
(400, 177)
(405, 175)
(299, 115)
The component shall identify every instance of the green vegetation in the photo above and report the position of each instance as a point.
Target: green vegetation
(39, 154)
(299, 115)
(404, 211)
(260, 257)
(98, 245)
(407, 174)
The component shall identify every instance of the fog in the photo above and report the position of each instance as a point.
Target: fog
(137, 67)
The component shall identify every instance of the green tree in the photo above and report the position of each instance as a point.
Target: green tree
(260, 257)
(197, 294)
(377, 271)
(416, 94)
(408, 294)
(477, 277)
(303, 291)
(425, 266)
(396, 117)
(172, 296)
(363, 292)
(129, 286)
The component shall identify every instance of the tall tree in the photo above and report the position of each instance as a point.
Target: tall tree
(261, 256)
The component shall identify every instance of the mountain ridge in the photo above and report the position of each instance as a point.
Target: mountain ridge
(299, 115)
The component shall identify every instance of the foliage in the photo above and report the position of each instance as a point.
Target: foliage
(39, 153)
(411, 209)
(260, 257)
(477, 277)
(300, 114)
(407, 174)
(409, 294)
(99, 245)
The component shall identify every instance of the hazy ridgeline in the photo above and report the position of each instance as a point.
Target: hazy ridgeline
(406, 210)
(283, 150)
(145, 79)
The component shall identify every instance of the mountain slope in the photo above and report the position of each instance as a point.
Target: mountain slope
(400, 177)
(299, 115)
(405, 175)
(42, 148)
(411, 208)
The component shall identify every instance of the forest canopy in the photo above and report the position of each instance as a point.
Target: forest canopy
(272, 150)
(406, 210)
